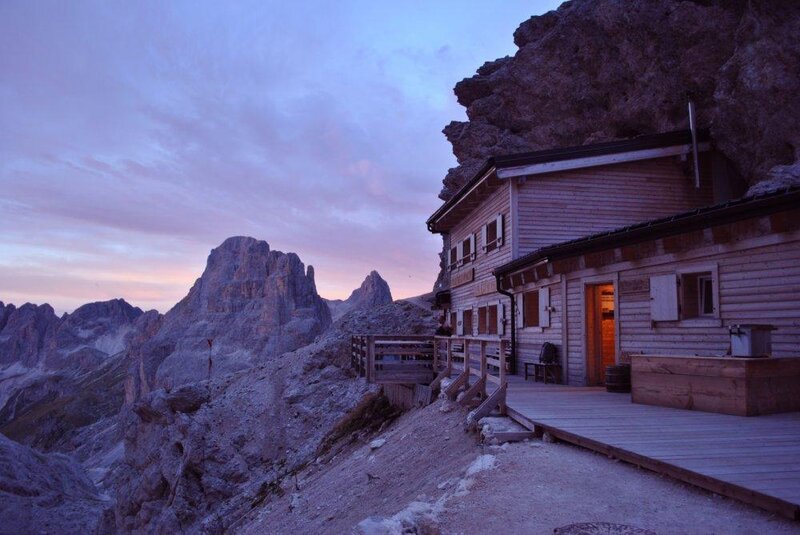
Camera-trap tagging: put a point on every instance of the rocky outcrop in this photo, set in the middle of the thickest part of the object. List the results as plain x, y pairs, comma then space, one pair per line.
780, 177
250, 305
197, 458
45, 493
373, 292
597, 70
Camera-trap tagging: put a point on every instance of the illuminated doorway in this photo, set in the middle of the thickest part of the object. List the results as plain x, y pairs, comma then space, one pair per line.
600, 332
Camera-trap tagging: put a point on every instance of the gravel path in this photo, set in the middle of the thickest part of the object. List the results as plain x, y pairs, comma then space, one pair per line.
429, 477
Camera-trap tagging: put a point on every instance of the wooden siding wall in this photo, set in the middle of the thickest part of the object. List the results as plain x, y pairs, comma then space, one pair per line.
558, 207
759, 282
530, 339
463, 297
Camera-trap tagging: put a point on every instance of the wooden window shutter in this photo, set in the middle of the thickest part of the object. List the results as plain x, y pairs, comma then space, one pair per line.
520, 311
460, 322
484, 242
500, 230
544, 306
501, 318
664, 298
459, 253
472, 250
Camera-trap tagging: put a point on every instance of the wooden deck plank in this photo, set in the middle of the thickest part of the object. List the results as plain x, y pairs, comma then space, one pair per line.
753, 459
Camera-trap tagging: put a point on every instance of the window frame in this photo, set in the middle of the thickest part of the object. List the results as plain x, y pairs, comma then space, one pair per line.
680, 273
525, 305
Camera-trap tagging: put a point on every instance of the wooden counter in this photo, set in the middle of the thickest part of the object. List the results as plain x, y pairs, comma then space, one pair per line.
738, 386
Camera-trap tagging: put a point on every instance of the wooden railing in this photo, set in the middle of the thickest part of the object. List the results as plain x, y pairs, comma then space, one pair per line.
402, 359
394, 359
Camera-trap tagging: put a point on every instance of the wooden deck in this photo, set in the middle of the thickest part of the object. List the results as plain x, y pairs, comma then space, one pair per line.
752, 459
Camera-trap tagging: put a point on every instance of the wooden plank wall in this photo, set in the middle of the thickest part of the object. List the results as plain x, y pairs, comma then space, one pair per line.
576, 353
558, 207
759, 282
463, 297
530, 339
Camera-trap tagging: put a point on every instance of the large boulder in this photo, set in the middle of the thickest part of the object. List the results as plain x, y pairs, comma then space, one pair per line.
597, 70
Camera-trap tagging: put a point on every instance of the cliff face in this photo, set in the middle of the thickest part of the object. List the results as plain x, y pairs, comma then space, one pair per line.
598, 70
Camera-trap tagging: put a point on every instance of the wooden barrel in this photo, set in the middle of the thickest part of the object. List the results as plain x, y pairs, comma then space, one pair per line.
618, 378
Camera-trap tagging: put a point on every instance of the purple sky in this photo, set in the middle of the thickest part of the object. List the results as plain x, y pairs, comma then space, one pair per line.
136, 136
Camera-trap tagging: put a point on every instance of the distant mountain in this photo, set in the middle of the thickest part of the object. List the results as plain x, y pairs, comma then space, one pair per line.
250, 304
373, 292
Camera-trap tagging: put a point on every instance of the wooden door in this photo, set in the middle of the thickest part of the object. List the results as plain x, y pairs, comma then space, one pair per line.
600, 332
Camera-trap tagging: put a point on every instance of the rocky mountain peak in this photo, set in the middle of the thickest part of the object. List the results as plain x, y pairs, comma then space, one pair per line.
253, 303
373, 292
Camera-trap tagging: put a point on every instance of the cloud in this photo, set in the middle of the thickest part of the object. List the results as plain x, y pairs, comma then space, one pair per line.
138, 135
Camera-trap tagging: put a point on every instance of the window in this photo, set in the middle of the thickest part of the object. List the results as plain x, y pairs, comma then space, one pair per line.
453, 320
491, 320
467, 319
468, 249
482, 316
530, 312
533, 308
453, 258
491, 237
686, 295
493, 234
697, 295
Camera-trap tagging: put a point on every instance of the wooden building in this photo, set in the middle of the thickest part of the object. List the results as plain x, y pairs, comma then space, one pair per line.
669, 286
520, 204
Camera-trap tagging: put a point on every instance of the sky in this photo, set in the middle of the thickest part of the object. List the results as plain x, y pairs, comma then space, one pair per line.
137, 136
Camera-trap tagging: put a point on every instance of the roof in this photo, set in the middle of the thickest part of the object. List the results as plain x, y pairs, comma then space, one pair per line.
653, 141
700, 218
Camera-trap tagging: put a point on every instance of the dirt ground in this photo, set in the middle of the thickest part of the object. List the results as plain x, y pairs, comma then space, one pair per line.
430, 477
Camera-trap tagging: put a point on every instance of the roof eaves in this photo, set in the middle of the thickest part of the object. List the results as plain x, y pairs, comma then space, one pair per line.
702, 217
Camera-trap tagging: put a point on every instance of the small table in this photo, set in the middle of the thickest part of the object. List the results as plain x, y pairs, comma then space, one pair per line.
545, 371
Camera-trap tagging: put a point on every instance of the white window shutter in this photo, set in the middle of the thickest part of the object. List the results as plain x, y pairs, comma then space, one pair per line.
460, 322
501, 318
473, 253
664, 298
500, 230
520, 312
474, 330
459, 252
544, 306
483, 239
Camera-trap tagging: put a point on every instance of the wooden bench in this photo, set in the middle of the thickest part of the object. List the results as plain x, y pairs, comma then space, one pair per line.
544, 371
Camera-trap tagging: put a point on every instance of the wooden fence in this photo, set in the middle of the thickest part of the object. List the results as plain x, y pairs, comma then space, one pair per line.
393, 359
428, 360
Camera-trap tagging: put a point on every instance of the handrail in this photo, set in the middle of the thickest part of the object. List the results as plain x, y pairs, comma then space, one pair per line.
382, 358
